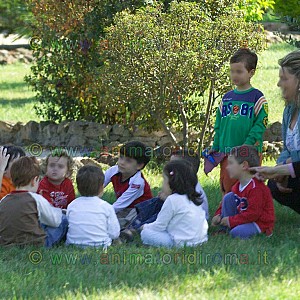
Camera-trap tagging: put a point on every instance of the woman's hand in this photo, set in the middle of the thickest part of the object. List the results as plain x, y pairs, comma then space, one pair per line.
278, 172
282, 183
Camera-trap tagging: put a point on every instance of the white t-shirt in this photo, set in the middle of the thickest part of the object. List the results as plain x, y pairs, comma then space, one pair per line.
92, 222
182, 219
293, 139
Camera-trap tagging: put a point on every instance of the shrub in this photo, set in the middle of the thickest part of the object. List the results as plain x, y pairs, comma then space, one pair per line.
169, 68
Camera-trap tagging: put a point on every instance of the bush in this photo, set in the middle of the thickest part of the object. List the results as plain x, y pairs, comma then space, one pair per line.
169, 68
66, 46
289, 11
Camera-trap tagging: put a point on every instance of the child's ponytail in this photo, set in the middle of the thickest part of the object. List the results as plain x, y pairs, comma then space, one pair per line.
183, 180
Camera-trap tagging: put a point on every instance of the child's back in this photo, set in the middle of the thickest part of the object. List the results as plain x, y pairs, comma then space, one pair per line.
183, 220
92, 221
20, 216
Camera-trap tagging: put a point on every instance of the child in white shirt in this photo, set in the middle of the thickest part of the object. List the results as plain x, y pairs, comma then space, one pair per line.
181, 220
92, 221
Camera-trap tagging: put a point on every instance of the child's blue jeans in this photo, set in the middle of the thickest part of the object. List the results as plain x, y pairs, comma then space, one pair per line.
229, 208
147, 212
55, 234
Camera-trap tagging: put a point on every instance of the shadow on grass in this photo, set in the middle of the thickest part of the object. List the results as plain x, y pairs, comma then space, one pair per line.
13, 85
16, 102
35, 272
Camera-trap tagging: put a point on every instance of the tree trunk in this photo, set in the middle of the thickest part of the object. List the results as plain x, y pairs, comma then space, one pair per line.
207, 115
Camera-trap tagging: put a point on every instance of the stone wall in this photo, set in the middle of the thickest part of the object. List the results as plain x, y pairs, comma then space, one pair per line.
92, 135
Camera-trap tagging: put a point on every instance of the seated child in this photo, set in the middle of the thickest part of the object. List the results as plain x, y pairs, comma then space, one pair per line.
56, 186
147, 211
128, 181
23, 210
181, 220
7, 156
248, 209
92, 221
193, 158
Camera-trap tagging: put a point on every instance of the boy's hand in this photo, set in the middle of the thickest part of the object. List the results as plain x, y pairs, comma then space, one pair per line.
161, 195
3, 159
211, 151
225, 222
216, 220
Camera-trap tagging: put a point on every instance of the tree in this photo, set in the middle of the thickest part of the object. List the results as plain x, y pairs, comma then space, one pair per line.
170, 67
66, 45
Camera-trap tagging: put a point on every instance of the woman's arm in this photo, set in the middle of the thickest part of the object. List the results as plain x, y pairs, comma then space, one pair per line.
273, 172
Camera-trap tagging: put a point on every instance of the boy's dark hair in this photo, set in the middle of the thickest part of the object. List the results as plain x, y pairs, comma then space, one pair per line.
246, 153
183, 180
13, 151
189, 155
248, 57
23, 170
137, 151
59, 153
89, 180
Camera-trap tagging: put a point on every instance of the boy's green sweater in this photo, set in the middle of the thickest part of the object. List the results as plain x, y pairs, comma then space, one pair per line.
242, 118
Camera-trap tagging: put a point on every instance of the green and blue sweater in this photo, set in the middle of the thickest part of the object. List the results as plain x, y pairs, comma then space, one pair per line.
242, 118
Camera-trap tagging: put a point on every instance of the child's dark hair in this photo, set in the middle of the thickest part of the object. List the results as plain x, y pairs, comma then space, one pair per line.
23, 170
246, 153
248, 57
89, 180
13, 151
183, 180
137, 151
189, 155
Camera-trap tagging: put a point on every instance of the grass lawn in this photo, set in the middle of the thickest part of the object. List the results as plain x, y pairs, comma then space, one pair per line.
223, 268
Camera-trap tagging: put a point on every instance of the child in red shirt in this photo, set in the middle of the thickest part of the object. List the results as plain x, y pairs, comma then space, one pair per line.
248, 209
56, 186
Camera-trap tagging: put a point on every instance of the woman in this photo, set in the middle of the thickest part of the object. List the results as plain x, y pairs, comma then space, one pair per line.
285, 189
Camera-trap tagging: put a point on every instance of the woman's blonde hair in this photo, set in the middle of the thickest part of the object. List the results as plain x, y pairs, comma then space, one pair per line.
291, 62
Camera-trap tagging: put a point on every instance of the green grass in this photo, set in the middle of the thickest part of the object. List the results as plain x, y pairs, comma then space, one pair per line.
260, 268
266, 268
266, 78
17, 99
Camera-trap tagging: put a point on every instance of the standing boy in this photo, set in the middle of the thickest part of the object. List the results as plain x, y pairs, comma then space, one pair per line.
242, 116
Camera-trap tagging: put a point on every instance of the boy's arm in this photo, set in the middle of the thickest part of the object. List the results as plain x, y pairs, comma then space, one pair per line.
48, 214
254, 209
260, 122
109, 173
216, 143
113, 225
133, 192
163, 218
